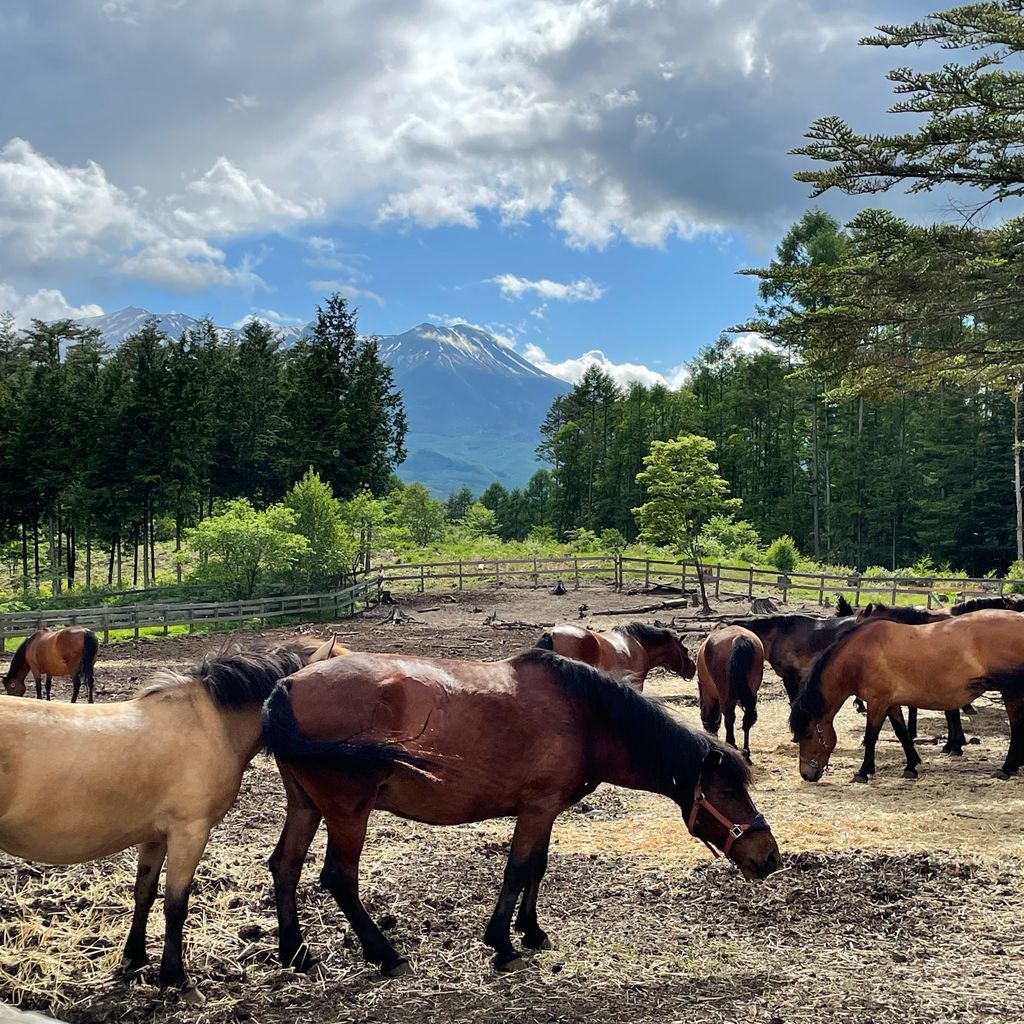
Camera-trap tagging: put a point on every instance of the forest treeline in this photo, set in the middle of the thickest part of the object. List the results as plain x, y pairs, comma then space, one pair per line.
854, 482
101, 449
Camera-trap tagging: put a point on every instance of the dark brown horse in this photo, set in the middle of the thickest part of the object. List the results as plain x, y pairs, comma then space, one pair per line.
70, 651
446, 742
939, 666
629, 652
730, 667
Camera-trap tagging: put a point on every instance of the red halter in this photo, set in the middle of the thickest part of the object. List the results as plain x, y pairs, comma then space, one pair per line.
734, 831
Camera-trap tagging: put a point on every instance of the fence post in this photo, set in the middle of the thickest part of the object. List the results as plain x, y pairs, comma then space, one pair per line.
647, 574
536, 574
750, 582
135, 620
821, 590
163, 615
106, 629
191, 624
576, 566
893, 601
422, 580
718, 581
856, 597
682, 579
460, 574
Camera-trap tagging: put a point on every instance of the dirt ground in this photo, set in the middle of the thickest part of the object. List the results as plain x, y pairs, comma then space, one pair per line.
899, 901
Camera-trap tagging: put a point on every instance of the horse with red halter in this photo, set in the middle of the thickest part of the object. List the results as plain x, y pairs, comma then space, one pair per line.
730, 668
70, 651
446, 742
629, 652
938, 666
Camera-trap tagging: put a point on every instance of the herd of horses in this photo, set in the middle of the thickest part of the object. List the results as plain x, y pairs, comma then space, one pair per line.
447, 742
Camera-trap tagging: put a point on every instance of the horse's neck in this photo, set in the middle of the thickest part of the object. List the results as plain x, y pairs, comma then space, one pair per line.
615, 765
244, 729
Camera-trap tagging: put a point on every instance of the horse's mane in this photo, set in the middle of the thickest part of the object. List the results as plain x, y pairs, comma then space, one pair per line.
1014, 602
843, 607
786, 621
20, 656
235, 676
645, 634
898, 613
673, 752
809, 704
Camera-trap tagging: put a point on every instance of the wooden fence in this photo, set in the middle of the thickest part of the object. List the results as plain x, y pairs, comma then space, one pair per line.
336, 603
719, 580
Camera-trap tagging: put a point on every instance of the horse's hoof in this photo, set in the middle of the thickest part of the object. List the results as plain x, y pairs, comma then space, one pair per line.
1004, 776
399, 969
507, 964
537, 942
191, 995
969, 709
974, 741
302, 962
909, 773
862, 779
746, 757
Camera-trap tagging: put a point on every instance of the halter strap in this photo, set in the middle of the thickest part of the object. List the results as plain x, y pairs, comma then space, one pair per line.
734, 830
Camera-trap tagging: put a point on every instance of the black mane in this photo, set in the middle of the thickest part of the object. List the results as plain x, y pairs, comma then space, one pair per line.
671, 751
897, 613
809, 704
645, 634
785, 621
237, 677
20, 657
1013, 602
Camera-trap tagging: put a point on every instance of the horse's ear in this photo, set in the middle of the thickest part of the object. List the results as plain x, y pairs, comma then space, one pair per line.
712, 762
323, 652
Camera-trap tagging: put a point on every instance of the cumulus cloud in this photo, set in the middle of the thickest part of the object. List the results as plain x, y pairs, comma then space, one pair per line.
572, 370
345, 289
44, 304
583, 290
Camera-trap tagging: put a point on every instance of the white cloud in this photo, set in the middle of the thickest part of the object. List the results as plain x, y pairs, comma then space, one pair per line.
572, 370
503, 334
272, 317
44, 304
242, 102
750, 343
583, 290
345, 289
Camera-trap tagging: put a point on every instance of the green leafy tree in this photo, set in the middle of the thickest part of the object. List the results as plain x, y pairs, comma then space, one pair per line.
318, 518
458, 503
479, 522
420, 514
683, 491
243, 546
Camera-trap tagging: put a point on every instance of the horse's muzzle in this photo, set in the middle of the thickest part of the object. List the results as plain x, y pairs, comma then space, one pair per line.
811, 772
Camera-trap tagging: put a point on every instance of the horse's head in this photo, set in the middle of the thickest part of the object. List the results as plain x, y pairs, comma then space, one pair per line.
866, 612
817, 739
14, 687
723, 817
685, 665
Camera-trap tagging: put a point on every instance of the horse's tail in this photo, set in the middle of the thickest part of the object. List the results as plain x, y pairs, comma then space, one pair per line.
741, 661
546, 641
283, 738
90, 649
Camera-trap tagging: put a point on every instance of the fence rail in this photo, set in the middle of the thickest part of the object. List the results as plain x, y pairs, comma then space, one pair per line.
722, 580
337, 603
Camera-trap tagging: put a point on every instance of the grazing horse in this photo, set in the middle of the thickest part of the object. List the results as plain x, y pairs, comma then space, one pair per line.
163, 768
70, 651
939, 666
629, 652
446, 742
730, 667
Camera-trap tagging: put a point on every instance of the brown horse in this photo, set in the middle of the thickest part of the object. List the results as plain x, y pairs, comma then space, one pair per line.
163, 768
446, 742
730, 667
70, 651
939, 666
629, 652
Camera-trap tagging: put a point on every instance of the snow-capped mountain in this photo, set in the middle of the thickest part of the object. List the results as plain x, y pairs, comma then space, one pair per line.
474, 405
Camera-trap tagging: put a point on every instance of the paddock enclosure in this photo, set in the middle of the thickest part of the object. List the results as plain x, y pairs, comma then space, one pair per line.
898, 901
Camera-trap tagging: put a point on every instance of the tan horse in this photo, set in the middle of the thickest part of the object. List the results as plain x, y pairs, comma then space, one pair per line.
629, 652
163, 768
730, 668
938, 666
70, 651
447, 742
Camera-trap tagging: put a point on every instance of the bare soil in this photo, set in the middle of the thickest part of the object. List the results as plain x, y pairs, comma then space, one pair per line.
899, 901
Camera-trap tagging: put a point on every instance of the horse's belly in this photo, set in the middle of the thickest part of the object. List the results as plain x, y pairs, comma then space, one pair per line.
53, 842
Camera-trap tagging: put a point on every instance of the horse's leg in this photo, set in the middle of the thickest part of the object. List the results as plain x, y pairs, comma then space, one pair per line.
531, 833
300, 825
876, 717
912, 723
184, 848
730, 722
955, 738
39, 689
340, 876
858, 705
710, 707
147, 876
534, 936
749, 720
76, 686
899, 726
1015, 754
791, 683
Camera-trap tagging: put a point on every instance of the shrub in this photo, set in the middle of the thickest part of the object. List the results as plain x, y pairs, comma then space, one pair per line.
1016, 572
783, 553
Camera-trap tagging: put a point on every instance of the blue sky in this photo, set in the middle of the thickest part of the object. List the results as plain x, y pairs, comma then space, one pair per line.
576, 175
